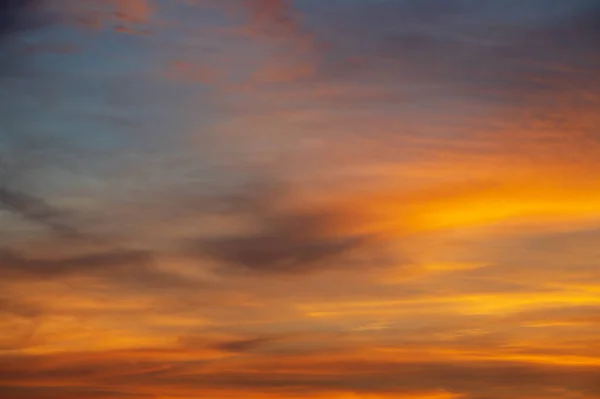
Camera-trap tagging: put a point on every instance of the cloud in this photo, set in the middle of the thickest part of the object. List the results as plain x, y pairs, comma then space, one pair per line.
451, 142
307, 376
575, 315
278, 233
275, 28
563, 259
192, 342
466, 49
127, 16
288, 243
119, 266
284, 238
244, 345
273, 18
19, 308
37, 210
134, 10
16, 16
15, 264
67, 393
188, 72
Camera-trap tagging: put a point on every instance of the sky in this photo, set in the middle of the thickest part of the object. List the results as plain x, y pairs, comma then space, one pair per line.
277, 199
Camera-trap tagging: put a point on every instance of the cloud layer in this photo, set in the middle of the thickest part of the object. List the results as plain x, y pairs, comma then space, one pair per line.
299, 199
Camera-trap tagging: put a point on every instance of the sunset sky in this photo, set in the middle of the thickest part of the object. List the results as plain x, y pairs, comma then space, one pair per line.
277, 199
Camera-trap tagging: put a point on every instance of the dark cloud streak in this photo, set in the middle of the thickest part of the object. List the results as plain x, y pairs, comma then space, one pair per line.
15, 264
118, 266
284, 240
37, 210
286, 243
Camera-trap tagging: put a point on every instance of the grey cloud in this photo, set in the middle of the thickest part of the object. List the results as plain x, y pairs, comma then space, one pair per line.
285, 241
15, 16
243, 345
15, 264
480, 47
290, 242
236, 345
37, 210
119, 266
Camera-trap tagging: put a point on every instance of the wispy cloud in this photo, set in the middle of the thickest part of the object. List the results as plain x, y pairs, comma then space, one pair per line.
36, 210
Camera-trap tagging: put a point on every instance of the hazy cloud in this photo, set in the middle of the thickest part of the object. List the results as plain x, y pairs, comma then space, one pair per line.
244, 345
432, 231
283, 239
37, 210
119, 266
476, 379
